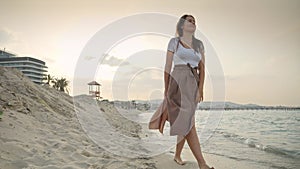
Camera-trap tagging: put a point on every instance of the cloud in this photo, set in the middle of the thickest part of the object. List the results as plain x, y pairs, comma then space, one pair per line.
7, 36
113, 61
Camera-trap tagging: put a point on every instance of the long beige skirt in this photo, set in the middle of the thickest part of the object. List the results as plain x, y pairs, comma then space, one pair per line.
181, 100
180, 104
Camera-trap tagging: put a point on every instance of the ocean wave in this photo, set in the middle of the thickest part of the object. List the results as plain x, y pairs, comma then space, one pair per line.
254, 143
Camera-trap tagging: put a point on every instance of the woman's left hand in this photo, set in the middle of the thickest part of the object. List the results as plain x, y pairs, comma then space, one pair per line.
199, 96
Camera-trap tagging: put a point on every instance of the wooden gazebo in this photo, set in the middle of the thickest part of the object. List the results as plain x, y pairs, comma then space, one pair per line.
94, 89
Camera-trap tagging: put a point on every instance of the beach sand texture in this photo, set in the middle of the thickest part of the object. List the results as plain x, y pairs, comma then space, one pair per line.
39, 129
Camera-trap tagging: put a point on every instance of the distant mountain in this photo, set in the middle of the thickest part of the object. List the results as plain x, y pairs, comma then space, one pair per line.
235, 106
227, 105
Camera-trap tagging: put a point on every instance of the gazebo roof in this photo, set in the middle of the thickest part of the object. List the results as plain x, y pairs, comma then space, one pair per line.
94, 83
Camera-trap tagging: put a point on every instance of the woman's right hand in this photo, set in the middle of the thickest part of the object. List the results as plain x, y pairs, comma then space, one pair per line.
168, 66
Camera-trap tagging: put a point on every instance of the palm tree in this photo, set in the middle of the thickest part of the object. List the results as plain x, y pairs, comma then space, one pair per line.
55, 82
60, 84
49, 79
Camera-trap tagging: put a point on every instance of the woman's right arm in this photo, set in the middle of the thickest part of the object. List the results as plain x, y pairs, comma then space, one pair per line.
168, 66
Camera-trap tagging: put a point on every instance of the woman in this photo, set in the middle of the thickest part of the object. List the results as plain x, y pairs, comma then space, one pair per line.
183, 89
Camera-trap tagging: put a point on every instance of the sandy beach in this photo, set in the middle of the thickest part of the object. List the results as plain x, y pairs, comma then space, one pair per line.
40, 129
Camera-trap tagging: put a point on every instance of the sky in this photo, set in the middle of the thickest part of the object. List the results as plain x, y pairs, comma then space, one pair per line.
257, 44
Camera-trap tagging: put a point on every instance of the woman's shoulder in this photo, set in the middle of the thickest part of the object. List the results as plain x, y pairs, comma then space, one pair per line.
174, 39
172, 44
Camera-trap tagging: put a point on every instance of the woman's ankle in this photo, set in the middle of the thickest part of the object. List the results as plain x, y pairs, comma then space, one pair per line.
202, 163
177, 157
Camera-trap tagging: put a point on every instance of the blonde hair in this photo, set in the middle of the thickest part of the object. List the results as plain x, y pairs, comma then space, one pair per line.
196, 43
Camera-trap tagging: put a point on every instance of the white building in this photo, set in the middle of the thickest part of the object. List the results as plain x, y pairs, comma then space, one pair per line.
33, 68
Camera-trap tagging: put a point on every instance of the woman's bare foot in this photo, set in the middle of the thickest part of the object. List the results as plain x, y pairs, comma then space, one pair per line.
205, 166
179, 161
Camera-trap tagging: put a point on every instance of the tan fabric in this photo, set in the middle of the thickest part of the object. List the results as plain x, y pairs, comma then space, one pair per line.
180, 104
159, 117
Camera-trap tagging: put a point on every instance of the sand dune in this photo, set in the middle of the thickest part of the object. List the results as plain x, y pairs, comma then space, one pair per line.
39, 129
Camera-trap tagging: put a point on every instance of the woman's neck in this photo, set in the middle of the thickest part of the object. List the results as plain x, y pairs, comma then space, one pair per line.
187, 38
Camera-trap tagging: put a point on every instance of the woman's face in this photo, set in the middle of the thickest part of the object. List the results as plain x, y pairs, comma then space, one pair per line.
189, 24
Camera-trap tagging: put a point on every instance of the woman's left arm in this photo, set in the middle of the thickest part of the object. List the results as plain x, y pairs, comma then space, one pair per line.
201, 67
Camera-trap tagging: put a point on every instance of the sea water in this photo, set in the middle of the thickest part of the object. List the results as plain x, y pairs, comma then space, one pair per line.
262, 138
266, 138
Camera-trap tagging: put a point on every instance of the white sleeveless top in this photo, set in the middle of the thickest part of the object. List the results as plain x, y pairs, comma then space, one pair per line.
183, 55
